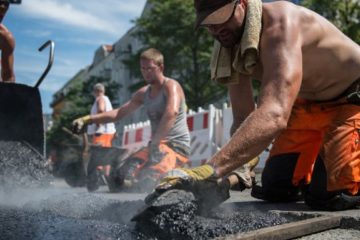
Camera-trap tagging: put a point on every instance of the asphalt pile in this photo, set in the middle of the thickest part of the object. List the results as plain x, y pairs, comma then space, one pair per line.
87, 206
21, 166
66, 215
21, 224
177, 216
82, 215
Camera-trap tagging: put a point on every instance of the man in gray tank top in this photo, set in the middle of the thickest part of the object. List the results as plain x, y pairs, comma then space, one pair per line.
164, 102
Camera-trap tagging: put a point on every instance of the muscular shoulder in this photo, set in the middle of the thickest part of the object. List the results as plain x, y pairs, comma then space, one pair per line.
7, 38
172, 84
278, 17
288, 21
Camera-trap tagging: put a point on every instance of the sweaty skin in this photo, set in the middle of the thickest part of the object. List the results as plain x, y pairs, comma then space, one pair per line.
7, 46
301, 55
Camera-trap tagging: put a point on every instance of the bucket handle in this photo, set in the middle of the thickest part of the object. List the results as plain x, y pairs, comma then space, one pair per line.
51, 60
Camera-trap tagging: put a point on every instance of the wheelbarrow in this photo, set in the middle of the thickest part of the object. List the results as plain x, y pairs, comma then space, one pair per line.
21, 117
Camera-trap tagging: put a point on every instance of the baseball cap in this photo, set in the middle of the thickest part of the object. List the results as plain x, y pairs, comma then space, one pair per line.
213, 11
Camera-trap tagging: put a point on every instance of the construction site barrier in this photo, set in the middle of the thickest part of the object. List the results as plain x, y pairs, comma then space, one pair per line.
223, 133
136, 136
209, 131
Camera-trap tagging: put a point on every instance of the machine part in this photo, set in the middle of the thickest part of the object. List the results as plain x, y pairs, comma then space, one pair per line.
21, 110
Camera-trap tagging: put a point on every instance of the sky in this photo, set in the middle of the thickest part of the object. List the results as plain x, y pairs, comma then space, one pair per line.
78, 28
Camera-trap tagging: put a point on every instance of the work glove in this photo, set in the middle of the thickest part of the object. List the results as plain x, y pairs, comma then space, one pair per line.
79, 124
155, 154
208, 189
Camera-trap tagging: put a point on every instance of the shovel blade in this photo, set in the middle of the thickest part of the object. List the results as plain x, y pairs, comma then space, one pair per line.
21, 115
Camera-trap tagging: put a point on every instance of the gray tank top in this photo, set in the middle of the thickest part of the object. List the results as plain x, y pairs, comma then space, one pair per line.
155, 107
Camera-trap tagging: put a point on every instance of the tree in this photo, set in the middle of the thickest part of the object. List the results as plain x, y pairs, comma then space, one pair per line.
169, 27
345, 14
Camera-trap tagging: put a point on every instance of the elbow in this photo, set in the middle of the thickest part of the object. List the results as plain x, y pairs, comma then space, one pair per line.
172, 113
279, 120
281, 124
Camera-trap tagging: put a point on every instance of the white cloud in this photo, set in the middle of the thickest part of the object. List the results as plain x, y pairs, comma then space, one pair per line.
62, 70
78, 27
104, 16
38, 33
86, 41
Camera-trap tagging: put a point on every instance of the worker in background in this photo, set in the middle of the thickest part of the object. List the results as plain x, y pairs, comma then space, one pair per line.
101, 136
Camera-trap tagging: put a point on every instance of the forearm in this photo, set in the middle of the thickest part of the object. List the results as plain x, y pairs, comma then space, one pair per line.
8, 77
250, 139
105, 117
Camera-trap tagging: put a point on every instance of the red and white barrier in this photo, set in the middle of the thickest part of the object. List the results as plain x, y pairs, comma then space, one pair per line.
224, 134
202, 127
209, 131
136, 136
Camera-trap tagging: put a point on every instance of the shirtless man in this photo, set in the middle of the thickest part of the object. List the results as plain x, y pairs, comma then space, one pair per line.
7, 46
309, 103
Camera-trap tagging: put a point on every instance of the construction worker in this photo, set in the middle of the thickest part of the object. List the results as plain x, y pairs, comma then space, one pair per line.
308, 102
7, 46
164, 102
101, 135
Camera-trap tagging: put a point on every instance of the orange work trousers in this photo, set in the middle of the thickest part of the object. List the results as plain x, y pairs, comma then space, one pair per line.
104, 140
330, 130
171, 159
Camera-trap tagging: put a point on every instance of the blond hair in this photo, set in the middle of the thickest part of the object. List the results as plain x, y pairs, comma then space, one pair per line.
99, 87
153, 54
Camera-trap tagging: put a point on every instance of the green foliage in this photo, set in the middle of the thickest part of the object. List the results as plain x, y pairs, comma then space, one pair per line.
78, 102
169, 27
345, 14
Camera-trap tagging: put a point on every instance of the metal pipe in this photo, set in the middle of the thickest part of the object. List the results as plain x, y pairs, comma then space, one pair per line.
51, 60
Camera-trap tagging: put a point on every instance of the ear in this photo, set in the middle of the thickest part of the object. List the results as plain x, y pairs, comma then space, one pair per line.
244, 3
161, 66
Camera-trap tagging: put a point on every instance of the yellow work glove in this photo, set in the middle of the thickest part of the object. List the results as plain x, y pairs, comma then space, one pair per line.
79, 124
180, 176
201, 181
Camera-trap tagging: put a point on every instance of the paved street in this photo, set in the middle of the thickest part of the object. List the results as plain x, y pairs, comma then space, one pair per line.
61, 212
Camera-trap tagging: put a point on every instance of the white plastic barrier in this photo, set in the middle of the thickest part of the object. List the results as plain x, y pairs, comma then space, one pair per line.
136, 136
201, 126
227, 120
202, 131
209, 131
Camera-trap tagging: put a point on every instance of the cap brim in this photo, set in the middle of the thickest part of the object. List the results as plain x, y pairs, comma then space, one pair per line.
217, 17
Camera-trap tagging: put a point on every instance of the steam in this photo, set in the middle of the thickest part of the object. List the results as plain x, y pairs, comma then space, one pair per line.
19, 197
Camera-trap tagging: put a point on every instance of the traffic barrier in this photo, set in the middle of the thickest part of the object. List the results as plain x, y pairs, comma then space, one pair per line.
209, 131
136, 136
201, 126
223, 135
